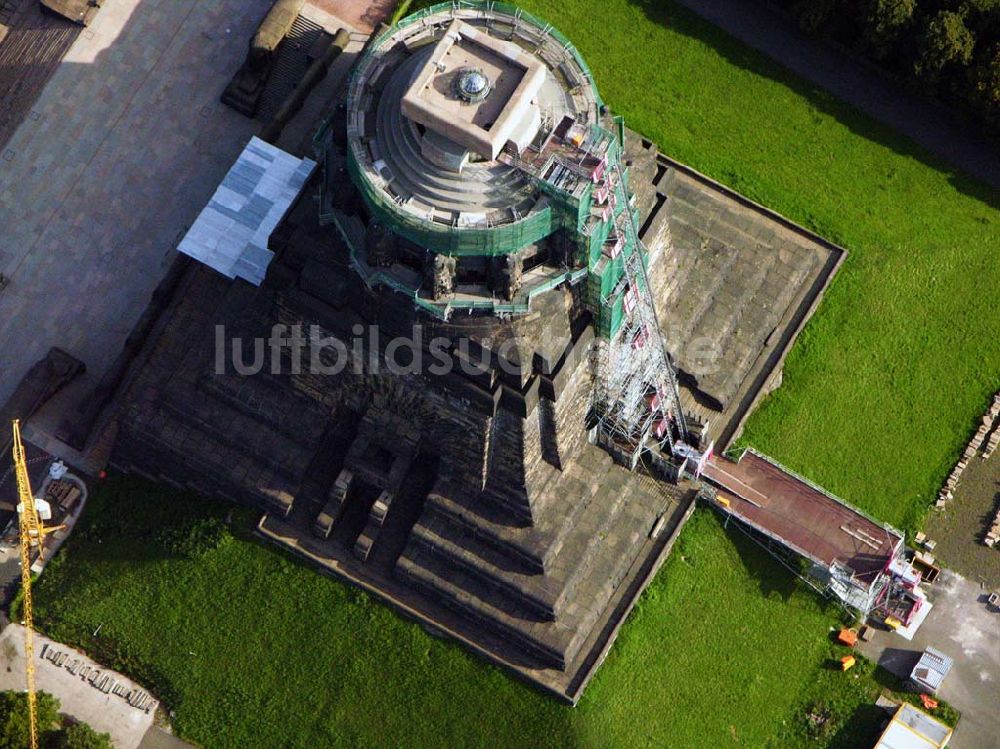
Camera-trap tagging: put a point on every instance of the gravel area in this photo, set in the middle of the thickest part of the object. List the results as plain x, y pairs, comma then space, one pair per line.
959, 529
964, 627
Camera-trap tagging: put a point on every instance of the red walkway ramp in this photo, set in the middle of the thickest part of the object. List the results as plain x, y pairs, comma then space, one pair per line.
801, 516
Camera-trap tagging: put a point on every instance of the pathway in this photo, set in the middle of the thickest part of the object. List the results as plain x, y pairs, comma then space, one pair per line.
124, 147
886, 101
107, 713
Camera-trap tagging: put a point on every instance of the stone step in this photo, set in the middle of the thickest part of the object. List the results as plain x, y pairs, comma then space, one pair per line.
546, 641
497, 188
520, 543
487, 565
289, 67
492, 180
585, 478
739, 302
30, 53
249, 438
443, 189
602, 524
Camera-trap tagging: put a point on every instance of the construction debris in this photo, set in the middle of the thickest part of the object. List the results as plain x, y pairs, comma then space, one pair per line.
988, 433
103, 681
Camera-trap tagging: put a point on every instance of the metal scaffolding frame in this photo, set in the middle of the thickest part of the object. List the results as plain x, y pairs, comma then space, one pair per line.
636, 394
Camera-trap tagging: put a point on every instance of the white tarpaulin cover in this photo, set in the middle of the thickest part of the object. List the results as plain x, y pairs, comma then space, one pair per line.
231, 233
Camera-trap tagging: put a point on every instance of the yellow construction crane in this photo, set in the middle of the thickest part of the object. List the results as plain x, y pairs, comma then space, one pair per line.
32, 533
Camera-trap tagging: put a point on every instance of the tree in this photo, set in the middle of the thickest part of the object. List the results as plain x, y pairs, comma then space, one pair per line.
985, 80
946, 41
14, 717
885, 20
81, 736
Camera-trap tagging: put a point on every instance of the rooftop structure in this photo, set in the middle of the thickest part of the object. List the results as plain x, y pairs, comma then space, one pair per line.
912, 728
477, 135
931, 670
231, 234
477, 91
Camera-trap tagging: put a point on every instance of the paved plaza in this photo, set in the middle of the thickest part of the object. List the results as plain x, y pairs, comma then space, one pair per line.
122, 149
963, 626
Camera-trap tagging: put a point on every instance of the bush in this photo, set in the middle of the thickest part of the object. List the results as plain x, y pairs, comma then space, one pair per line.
812, 15
946, 41
985, 83
200, 537
14, 717
947, 48
52, 735
80, 736
819, 721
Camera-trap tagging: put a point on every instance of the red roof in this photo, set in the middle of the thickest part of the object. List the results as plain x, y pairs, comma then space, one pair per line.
802, 516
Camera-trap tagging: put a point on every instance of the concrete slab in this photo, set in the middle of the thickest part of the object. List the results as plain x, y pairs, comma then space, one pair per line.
77, 697
964, 627
363, 15
157, 738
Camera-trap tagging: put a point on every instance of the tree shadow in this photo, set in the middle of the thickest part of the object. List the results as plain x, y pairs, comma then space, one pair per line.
981, 157
861, 729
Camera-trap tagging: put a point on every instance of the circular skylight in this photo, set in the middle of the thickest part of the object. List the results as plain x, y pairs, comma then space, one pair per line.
472, 85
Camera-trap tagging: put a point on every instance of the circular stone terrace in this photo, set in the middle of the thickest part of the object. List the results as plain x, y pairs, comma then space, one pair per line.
440, 107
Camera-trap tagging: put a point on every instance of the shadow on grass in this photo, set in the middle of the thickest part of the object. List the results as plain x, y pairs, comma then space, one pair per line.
861, 729
686, 22
773, 577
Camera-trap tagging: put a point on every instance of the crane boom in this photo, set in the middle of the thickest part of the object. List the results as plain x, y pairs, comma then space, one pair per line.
31, 531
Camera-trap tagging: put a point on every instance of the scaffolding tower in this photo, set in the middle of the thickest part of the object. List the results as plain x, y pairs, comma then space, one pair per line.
636, 395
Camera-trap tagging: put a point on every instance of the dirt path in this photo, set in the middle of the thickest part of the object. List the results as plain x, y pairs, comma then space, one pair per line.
884, 100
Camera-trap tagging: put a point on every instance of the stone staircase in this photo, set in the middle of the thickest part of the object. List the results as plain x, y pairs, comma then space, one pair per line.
290, 65
493, 573
32, 45
480, 188
722, 287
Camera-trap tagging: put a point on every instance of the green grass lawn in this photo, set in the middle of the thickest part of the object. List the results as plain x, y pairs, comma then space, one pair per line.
252, 649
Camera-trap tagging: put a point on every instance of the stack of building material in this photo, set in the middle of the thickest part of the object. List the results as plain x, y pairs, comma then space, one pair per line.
989, 424
993, 416
993, 534
64, 493
105, 682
